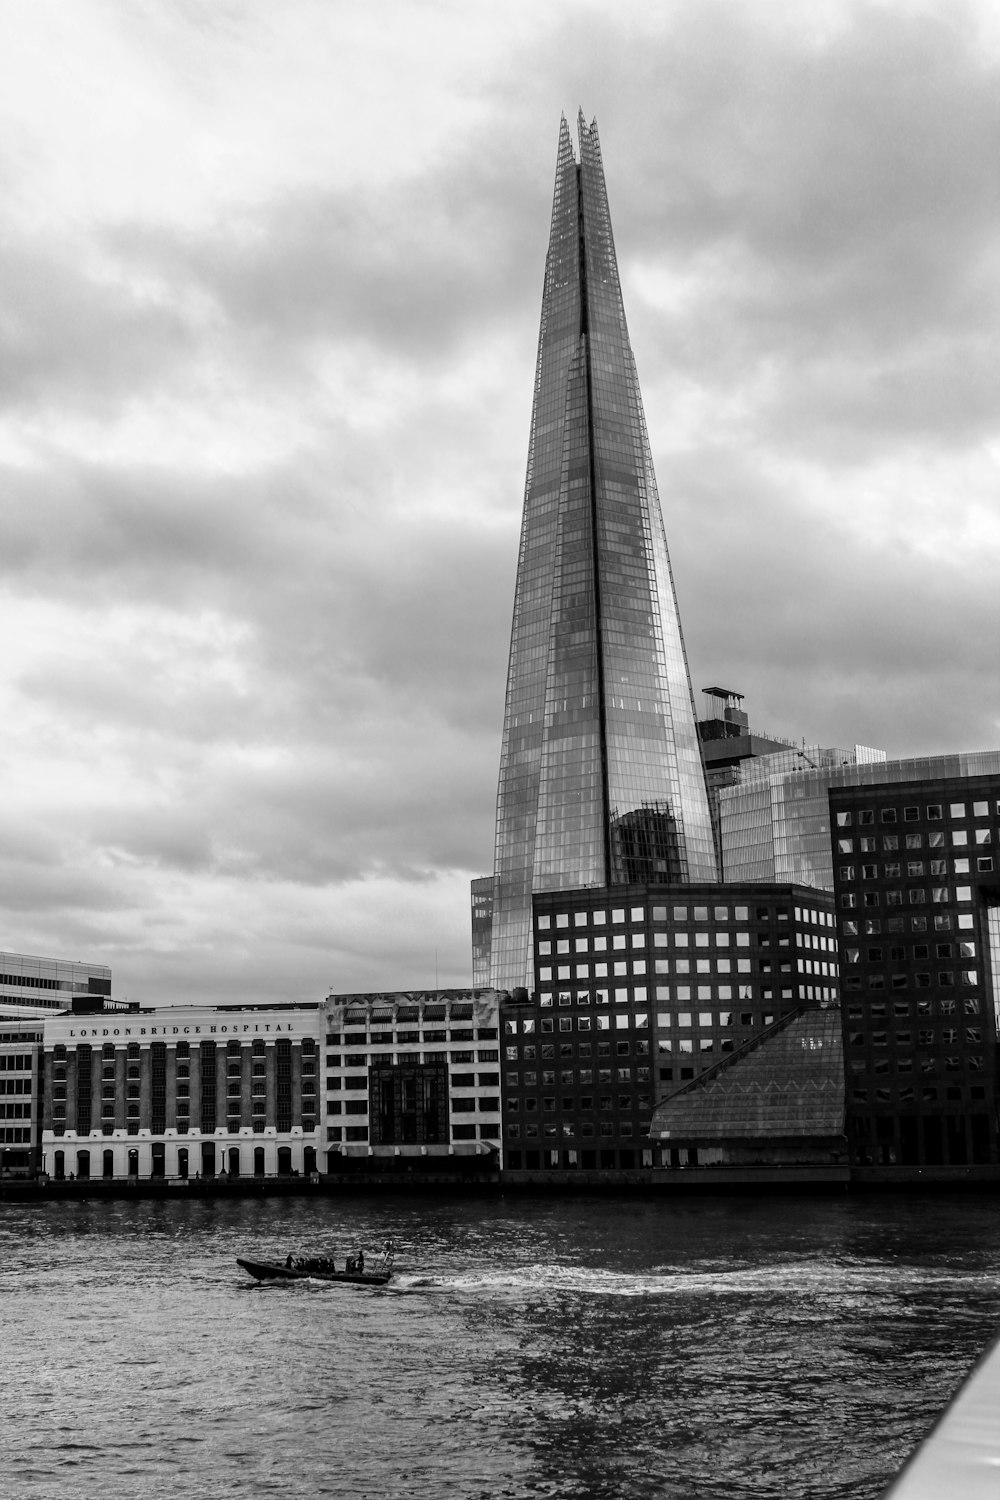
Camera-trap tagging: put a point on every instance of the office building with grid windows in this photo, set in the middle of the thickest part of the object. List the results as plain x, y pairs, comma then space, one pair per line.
20, 1097
917, 875
601, 779
638, 989
31, 986
31, 989
411, 1081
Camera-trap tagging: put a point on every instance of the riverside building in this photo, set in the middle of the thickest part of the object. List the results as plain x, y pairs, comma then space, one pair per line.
601, 779
638, 989
20, 1096
181, 1091
32, 988
411, 1079
917, 875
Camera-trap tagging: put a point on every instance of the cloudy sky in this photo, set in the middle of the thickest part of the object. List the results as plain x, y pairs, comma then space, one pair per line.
270, 288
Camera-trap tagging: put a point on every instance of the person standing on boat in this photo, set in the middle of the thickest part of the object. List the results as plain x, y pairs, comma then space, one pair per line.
361, 1262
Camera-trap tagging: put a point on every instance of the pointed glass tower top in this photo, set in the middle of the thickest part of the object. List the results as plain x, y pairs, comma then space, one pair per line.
601, 778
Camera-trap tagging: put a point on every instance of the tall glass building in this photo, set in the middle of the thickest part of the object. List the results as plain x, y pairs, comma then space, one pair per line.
601, 777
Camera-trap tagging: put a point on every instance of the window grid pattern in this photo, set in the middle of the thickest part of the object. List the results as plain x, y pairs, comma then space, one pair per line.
638, 989
394, 1059
916, 896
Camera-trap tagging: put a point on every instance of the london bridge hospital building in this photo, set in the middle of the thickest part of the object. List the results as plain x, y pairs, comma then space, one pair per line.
185, 1092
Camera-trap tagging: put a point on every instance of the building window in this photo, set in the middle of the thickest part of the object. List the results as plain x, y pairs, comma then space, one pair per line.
409, 1103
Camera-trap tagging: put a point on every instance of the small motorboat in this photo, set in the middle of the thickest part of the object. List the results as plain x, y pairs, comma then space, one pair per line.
322, 1268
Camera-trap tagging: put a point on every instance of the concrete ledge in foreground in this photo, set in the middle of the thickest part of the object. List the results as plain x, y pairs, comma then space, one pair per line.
961, 1455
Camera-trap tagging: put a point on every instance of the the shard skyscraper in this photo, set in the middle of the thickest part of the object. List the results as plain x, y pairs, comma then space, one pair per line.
601, 778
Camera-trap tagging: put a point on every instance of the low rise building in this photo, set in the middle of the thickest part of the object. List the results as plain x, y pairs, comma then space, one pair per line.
20, 1097
181, 1091
411, 1077
32, 989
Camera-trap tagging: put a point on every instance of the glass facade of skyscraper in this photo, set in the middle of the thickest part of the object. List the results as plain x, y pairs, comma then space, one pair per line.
601, 779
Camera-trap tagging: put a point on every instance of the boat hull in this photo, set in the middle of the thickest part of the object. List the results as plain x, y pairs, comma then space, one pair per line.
269, 1270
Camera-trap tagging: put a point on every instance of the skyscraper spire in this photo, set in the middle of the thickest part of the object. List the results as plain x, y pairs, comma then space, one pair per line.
601, 779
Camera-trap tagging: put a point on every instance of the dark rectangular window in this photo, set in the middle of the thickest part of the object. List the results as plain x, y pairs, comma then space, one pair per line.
158, 1089
207, 1088
283, 1084
409, 1103
84, 1090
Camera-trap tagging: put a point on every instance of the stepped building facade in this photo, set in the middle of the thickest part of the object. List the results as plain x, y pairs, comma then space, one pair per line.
601, 778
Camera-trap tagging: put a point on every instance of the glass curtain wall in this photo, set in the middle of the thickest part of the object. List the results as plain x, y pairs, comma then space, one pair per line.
601, 778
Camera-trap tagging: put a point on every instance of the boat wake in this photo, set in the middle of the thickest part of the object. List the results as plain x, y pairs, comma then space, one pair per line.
821, 1279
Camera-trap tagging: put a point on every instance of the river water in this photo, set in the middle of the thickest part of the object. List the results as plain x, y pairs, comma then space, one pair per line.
594, 1347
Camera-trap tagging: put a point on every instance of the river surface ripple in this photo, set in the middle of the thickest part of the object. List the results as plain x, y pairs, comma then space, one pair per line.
610, 1348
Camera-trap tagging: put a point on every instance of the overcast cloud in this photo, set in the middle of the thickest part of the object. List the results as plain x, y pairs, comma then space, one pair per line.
271, 280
